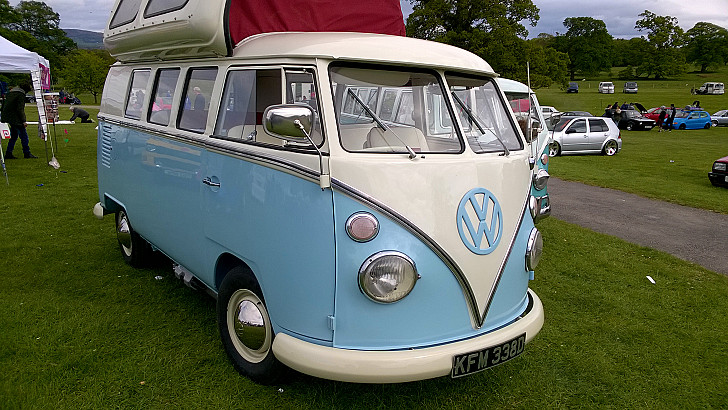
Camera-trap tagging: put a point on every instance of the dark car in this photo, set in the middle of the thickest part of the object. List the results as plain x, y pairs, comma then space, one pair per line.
567, 114
631, 118
573, 88
719, 175
30, 97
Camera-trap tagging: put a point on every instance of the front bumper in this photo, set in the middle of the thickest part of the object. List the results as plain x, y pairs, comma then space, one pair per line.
718, 179
401, 365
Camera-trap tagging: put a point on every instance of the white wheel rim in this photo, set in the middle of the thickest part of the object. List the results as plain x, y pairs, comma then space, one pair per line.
240, 317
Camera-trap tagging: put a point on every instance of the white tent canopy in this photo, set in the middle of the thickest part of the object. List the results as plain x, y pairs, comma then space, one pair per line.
16, 59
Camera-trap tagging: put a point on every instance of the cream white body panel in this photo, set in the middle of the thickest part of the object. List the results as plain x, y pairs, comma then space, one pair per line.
395, 366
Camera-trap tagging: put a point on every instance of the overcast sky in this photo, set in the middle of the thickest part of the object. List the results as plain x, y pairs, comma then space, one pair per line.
619, 15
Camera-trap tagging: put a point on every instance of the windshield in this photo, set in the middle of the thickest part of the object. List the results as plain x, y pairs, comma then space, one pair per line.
392, 111
485, 119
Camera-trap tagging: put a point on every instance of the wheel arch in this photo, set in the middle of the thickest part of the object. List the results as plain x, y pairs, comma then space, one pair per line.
225, 263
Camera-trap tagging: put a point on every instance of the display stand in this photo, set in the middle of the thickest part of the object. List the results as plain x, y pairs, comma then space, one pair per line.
50, 109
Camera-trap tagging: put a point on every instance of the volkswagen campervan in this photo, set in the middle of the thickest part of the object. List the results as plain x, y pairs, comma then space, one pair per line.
359, 204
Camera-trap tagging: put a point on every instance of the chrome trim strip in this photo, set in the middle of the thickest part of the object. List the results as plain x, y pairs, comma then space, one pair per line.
219, 146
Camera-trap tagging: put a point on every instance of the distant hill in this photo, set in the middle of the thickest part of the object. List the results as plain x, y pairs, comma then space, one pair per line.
85, 39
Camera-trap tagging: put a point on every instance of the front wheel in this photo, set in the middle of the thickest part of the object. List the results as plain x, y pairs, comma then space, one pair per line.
681, 127
610, 148
714, 123
134, 249
245, 327
630, 126
554, 149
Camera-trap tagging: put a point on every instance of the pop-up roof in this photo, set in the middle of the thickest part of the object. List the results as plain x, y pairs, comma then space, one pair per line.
169, 29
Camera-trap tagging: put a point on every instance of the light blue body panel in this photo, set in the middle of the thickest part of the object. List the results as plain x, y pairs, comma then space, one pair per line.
436, 311
292, 235
539, 165
279, 224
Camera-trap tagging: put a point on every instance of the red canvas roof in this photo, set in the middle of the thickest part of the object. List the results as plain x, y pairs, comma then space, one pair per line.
249, 17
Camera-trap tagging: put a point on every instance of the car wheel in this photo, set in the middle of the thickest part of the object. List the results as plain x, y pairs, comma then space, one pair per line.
681, 127
714, 123
134, 249
630, 126
245, 327
554, 149
610, 148
707, 126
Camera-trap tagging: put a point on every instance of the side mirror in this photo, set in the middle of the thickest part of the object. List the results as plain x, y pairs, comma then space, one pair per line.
282, 121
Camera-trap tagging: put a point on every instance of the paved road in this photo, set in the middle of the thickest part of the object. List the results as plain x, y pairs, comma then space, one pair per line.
691, 234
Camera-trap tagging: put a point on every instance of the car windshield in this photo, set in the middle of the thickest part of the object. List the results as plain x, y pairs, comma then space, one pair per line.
561, 124
393, 111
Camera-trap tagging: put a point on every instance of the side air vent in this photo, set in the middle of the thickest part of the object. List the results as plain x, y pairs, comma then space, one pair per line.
106, 134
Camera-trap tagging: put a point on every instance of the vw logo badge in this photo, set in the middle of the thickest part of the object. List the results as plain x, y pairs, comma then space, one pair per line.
480, 221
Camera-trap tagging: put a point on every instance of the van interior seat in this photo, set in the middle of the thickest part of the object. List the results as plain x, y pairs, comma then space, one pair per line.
397, 137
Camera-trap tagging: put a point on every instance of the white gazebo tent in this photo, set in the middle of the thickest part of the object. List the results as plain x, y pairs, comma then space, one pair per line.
16, 59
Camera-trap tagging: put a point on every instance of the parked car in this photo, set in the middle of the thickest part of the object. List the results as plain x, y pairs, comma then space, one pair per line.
567, 114
30, 97
720, 118
632, 120
551, 115
654, 113
692, 120
712, 88
630, 87
606, 87
573, 87
585, 135
719, 174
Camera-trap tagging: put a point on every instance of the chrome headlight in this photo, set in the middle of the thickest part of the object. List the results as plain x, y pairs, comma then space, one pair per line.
387, 276
534, 249
719, 166
540, 179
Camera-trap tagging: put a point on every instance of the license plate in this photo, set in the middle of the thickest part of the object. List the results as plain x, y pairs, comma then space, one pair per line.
473, 362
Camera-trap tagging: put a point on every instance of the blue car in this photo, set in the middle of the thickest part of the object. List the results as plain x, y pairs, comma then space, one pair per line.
692, 120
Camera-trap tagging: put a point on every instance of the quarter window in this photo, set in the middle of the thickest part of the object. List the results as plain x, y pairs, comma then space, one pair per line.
135, 98
598, 125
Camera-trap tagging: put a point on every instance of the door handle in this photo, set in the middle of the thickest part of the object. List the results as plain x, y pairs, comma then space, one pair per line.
208, 181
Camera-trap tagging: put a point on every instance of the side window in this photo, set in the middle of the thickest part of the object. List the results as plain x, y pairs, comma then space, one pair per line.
579, 126
157, 7
247, 94
135, 97
126, 12
164, 87
196, 99
597, 125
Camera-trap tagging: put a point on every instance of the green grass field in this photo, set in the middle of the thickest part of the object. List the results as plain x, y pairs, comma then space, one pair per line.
80, 329
670, 166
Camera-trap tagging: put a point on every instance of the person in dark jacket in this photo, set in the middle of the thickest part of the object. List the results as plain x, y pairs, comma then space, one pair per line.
13, 113
671, 117
79, 112
661, 118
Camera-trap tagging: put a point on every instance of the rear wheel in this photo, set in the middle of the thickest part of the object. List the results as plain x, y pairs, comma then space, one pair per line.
707, 126
610, 148
134, 249
245, 327
554, 149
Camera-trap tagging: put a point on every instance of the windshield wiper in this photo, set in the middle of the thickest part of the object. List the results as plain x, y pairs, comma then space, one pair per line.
477, 123
381, 124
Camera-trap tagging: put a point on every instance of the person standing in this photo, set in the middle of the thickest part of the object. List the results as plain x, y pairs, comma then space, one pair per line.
199, 101
13, 113
671, 118
661, 118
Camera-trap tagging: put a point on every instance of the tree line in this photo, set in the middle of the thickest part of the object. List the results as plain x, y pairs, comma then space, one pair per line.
493, 30
34, 26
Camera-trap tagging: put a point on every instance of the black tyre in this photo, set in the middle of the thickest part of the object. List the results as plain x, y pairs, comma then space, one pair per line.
714, 123
135, 250
707, 126
245, 328
554, 149
681, 127
630, 126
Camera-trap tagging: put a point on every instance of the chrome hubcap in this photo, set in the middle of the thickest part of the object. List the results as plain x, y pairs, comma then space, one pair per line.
248, 325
